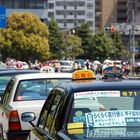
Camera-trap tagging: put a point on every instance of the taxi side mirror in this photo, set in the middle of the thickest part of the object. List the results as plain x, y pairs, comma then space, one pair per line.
28, 117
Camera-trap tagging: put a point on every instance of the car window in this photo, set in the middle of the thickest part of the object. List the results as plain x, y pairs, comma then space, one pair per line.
65, 63
106, 108
49, 110
37, 89
7, 91
44, 113
52, 111
32, 90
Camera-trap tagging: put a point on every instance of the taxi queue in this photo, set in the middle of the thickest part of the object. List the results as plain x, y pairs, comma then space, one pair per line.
90, 109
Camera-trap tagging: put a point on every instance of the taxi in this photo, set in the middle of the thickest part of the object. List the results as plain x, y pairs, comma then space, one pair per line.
7, 74
69, 113
25, 93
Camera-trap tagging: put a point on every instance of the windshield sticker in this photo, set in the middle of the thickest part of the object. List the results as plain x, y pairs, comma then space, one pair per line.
75, 125
19, 98
78, 113
76, 131
113, 118
90, 94
79, 119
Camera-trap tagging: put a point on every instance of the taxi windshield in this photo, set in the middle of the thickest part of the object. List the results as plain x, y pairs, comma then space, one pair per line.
105, 108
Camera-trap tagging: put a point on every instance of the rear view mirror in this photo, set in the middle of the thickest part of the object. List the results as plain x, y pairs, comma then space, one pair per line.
28, 117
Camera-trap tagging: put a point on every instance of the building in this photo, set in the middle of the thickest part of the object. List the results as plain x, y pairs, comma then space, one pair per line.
71, 13
97, 15
37, 7
133, 5
106, 13
125, 8
122, 11
68, 13
110, 12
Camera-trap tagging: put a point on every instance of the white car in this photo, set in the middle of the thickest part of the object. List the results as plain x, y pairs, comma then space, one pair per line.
25, 93
66, 65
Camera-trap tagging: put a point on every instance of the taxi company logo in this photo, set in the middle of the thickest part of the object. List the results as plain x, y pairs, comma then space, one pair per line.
112, 71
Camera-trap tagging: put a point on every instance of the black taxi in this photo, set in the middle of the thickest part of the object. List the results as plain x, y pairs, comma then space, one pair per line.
89, 110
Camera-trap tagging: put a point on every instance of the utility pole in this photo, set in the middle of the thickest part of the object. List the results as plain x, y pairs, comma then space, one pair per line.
113, 30
133, 44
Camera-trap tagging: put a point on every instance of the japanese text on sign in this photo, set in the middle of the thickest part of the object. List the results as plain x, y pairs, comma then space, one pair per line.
83, 74
112, 118
90, 94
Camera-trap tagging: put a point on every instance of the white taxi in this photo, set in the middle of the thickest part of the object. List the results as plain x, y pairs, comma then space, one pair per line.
25, 93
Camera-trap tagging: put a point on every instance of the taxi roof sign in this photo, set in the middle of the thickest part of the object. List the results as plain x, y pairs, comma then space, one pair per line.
83, 75
112, 71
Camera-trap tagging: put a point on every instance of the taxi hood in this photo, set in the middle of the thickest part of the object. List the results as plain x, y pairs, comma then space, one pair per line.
111, 133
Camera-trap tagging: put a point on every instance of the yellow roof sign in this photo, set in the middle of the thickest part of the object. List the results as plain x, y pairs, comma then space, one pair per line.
83, 75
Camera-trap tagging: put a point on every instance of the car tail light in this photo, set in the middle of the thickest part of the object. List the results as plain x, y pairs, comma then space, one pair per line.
101, 109
14, 122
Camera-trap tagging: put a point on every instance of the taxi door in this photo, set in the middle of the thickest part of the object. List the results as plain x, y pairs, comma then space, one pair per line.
46, 123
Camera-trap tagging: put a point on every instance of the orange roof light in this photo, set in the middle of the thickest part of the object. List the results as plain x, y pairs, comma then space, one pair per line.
83, 75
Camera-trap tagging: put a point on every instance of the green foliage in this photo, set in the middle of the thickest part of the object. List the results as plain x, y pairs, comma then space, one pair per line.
118, 45
24, 37
101, 47
73, 46
98, 46
55, 40
84, 32
125, 53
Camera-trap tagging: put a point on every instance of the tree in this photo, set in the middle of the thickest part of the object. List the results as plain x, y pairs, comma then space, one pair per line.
73, 46
85, 33
24, 37
55, 40
118, 45
125, 54
101, 47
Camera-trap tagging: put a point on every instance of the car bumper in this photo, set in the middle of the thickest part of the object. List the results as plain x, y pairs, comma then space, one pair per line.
17, 135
